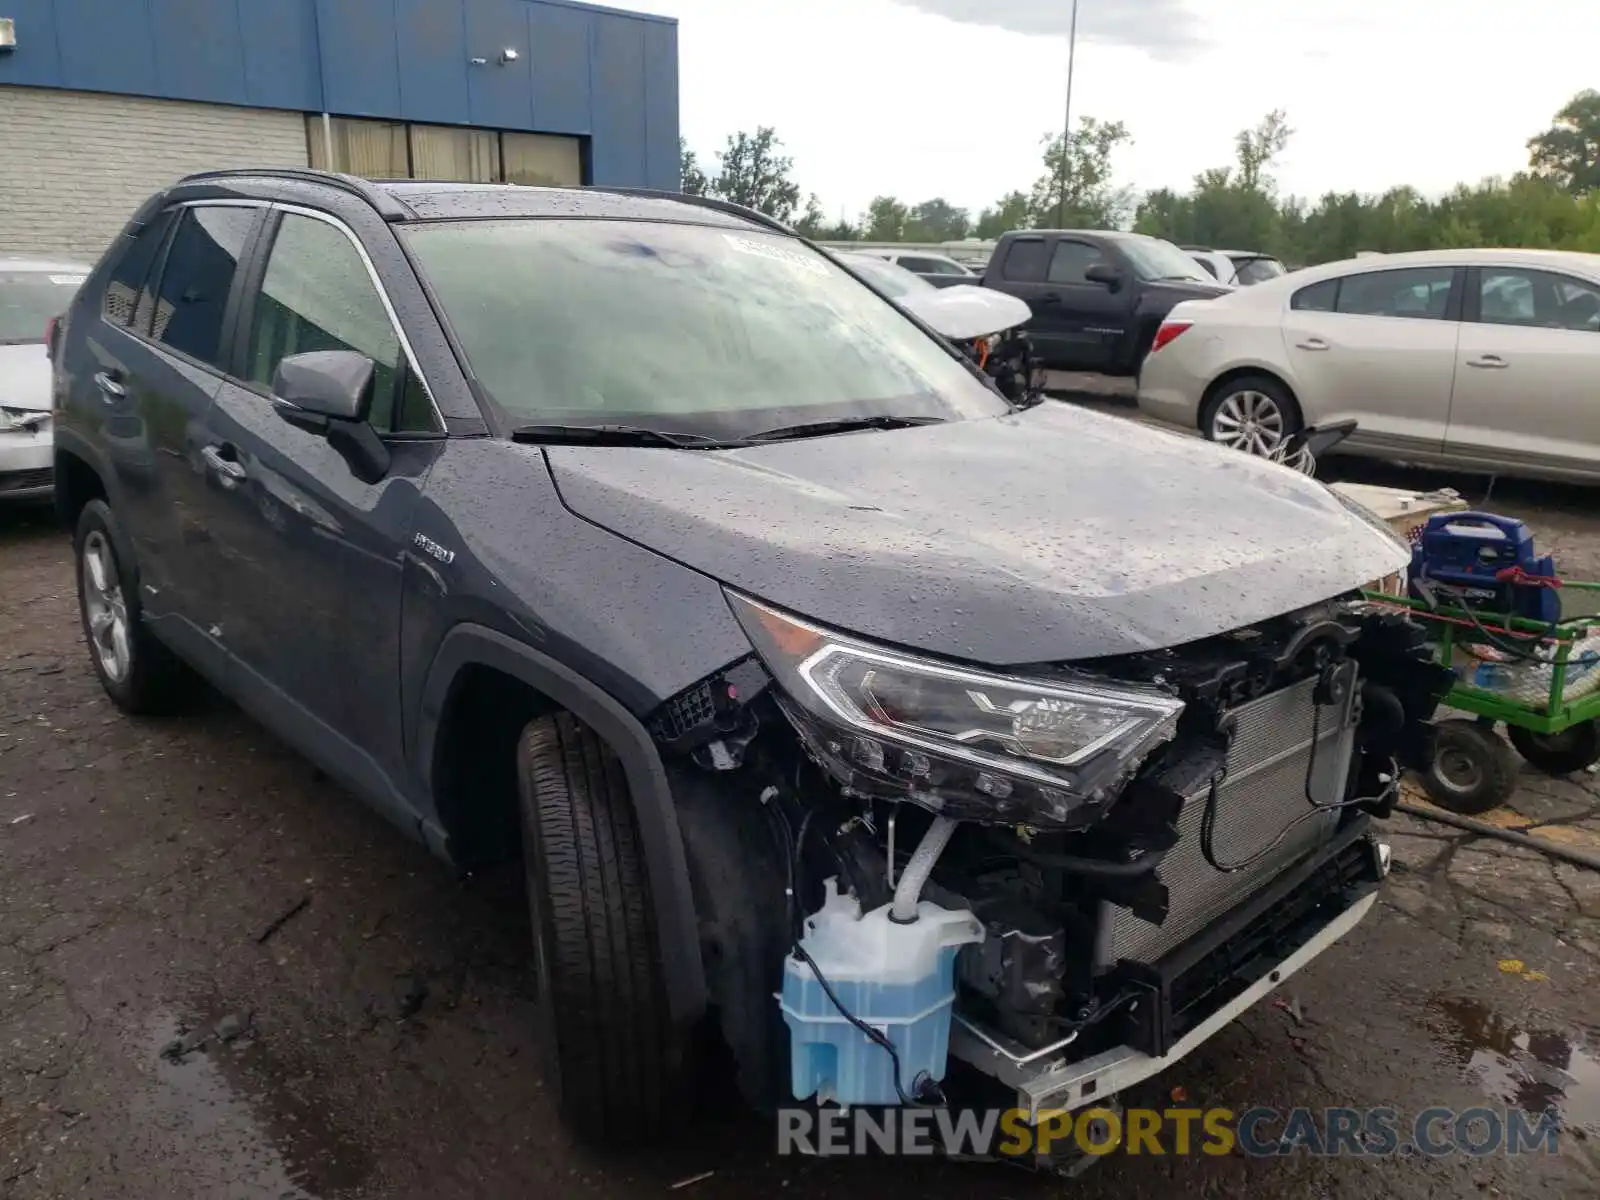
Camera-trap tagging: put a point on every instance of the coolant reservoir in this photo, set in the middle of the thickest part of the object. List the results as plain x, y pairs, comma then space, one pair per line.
899, 979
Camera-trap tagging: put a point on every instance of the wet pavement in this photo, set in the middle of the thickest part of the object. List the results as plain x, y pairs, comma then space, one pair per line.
222, 977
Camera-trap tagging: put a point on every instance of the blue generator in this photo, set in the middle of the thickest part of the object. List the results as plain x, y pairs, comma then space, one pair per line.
1484, 562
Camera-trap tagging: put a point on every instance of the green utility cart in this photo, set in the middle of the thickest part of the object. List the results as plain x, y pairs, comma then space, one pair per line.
1541, 680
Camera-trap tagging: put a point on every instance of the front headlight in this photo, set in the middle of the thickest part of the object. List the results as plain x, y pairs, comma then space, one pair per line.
964, 742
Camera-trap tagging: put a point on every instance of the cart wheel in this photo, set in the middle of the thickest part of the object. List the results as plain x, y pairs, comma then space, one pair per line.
1473, 769
1573, 749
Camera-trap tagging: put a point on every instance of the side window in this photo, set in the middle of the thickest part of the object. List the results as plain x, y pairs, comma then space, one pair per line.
1207, 266
1318, 297
1421, 293
120, 304
317, 295
1538, 299
1071, 262
1025, 261
198, 275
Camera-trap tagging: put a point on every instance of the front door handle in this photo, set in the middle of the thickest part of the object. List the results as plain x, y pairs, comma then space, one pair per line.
111, 389
229, 472
1489, 362
1313, 343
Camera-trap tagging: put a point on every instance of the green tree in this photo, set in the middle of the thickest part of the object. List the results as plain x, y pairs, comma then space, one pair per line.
1008, 213
694, 180
1257, 148
842, 230
1569, 151
813, 220
1229, 207
937, 221
1077, 188
752, 172
885, 220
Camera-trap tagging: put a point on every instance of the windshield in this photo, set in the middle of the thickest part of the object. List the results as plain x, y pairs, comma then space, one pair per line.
685, 328
28, 299
893, 281
1153, 258
1258, 270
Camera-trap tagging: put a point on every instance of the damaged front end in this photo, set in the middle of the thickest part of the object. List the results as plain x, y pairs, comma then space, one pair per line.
1135, 849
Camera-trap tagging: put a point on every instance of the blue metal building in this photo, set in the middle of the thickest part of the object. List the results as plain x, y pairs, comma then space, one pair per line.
103, 101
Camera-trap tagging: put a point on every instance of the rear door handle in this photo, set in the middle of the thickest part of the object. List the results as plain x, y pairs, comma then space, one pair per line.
1489, 362
1313, 343
110, 388
229, 472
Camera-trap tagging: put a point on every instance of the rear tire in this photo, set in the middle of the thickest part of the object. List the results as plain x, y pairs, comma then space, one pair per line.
607, 1038
136, 670
1253, 413
1573, 749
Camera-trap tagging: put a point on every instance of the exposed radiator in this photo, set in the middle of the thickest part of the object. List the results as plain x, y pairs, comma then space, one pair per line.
1263, 793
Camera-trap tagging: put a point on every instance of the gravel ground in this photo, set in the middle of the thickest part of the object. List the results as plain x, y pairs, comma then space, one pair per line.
222, 977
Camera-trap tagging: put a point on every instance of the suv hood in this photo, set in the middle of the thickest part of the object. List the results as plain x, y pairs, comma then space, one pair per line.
1042, 536
25, 376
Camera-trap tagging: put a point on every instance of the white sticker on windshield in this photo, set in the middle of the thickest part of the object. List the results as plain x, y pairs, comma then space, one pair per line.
68, 280
776, 253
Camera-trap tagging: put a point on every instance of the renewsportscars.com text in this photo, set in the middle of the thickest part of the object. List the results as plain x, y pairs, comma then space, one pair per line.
1256, 1132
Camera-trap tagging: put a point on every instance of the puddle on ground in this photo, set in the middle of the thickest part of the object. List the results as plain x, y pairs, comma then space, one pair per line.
1525, 1068
234, 1142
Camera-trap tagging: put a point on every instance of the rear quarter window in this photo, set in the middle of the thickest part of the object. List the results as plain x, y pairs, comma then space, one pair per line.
1318, 297
120, 302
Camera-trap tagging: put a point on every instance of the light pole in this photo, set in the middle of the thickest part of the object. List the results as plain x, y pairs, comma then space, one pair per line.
1066, 132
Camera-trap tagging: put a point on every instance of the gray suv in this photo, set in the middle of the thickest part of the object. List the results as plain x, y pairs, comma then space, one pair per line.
629, 533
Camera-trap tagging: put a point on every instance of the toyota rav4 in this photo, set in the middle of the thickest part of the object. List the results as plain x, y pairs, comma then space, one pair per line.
629, 532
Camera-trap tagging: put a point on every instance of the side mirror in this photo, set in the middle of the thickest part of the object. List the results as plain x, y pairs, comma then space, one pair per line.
1104, 273
323, 385
329, 392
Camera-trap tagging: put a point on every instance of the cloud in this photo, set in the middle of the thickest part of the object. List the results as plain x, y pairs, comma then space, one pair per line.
1163, 28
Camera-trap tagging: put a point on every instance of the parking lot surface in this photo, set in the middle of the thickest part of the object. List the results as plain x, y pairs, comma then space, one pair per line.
222, 977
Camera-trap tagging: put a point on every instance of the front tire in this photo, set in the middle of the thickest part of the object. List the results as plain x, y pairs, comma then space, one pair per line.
1253, 413
136, 670
1473, 769
608, 1040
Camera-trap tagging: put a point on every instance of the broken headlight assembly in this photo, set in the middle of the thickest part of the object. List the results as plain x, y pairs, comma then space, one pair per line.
960, 741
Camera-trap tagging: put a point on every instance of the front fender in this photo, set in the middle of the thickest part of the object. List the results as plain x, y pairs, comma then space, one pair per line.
671, 898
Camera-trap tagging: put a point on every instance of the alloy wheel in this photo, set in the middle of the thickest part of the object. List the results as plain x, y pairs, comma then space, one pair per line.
104, 608
1250, 421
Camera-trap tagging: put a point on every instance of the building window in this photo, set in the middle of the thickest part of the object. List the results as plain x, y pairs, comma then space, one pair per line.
374, 149
391, 150
467, 155
538, 158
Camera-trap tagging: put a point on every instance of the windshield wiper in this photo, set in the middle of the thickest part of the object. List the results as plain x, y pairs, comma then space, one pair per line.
615, 435
840, 425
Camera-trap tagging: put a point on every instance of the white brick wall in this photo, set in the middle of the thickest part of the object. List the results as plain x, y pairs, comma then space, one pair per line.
75, 165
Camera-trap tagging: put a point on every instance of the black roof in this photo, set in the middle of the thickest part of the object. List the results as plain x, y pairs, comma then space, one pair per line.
403, 200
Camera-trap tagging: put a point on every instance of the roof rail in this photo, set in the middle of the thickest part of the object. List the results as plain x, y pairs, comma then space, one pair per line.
722, 206
389, 206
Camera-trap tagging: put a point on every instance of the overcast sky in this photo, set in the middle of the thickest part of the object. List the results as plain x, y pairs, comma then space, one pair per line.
949, 98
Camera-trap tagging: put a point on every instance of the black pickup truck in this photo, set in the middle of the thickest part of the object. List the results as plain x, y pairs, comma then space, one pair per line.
1097, 296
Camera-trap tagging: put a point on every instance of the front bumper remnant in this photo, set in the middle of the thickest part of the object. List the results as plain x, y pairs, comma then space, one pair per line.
1047, 1082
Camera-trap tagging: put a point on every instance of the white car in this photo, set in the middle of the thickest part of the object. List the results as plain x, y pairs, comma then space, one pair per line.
1475, 359
1237, 268
939, 269
33, 292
